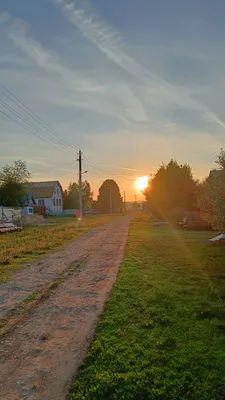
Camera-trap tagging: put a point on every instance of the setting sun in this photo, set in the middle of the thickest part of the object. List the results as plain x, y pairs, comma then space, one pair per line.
142, 182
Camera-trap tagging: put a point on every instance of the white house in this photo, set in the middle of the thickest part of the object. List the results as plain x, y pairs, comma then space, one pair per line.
48, 194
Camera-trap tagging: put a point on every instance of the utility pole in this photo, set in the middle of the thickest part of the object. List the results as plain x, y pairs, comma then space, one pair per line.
124, 202
110, 198
135, 201
80, 184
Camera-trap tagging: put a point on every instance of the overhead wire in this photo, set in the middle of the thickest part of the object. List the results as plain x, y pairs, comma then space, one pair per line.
54, 136
24, 107
57, 140
215, 152
27, 129
46, 139
53, 167
90, 166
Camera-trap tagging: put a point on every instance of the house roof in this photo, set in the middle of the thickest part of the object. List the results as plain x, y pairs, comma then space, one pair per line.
42, 189
215, 172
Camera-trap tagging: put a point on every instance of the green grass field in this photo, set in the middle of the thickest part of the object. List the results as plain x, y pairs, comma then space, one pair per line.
162, 335
16, 248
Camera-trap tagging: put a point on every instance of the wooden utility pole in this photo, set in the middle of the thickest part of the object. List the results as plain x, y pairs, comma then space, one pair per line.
110, 198
80, 184
124, 202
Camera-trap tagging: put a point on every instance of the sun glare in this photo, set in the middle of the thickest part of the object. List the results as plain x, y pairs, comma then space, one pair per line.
142, 182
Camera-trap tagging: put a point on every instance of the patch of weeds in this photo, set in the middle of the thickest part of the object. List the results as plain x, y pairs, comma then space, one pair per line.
30, 298
71, 268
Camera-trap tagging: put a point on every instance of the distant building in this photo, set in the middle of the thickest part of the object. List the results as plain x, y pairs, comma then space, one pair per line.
48, 194
215, 172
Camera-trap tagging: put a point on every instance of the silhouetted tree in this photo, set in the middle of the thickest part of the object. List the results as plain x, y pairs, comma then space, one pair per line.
71, 196
211, 198
109, 197
172, 191
13, 180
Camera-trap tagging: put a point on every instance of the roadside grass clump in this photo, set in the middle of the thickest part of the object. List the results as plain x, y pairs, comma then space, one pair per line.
17, 248
162, 334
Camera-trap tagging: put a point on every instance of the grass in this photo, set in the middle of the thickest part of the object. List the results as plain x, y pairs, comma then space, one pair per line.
33, 242
162, 335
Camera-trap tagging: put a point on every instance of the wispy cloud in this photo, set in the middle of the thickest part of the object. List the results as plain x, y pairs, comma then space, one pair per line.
111, 98
109, 42
18, 31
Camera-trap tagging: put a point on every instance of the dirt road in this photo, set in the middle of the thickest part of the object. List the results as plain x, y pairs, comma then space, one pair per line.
65, 295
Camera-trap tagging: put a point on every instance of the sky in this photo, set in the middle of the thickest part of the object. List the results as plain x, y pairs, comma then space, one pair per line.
133, 83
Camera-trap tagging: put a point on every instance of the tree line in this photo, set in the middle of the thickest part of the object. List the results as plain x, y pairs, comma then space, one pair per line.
109, 199
14, 184
172, 194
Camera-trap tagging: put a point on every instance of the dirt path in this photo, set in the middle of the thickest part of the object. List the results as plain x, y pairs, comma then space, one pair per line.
41, 354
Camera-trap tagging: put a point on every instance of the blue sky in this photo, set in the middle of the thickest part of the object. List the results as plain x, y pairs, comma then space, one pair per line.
132, 83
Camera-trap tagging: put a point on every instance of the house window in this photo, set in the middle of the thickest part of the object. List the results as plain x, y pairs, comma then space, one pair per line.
57, 203
53, 202
60, 202
41, 202
58, 191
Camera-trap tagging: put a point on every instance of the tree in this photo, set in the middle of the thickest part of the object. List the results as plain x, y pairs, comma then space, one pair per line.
211, 198
109, 198
172, 191
71, 196
13, 180
87, 195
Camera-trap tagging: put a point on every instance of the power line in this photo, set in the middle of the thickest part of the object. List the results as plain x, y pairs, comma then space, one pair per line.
93, 171
37, 119
34, 115
27, 129
53, 167
212, 154
48, 140
51, 141
41, 130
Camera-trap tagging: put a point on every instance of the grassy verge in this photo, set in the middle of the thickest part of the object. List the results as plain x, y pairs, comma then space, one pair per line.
33, 242
162, 335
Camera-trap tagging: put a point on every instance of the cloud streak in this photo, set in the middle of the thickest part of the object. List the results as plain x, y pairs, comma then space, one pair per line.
109, 42
111, 99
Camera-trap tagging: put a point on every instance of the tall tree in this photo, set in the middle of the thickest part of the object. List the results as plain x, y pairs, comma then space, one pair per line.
211, 198
71, 196
109, 198
172, 188
13, 180
87, 195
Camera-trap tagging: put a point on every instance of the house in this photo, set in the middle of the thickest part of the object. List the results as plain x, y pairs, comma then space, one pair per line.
215, 172
48, 194
27, 210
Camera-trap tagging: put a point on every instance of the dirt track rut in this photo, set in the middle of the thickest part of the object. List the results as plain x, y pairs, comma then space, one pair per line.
39, 358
